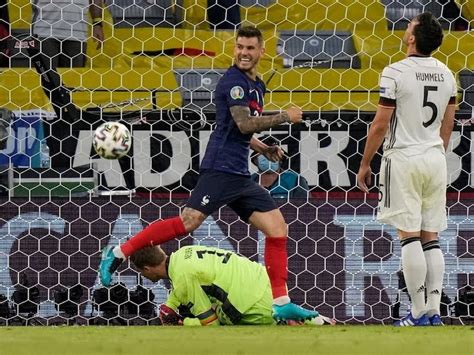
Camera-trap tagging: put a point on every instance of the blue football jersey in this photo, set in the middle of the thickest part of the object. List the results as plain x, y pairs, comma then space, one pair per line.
228, 148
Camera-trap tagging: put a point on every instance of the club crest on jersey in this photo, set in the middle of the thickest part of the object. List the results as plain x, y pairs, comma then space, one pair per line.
237, 92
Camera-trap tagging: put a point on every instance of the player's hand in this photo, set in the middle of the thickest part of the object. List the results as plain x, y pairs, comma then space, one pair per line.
274, 153
168, 316
295, 114
364, 178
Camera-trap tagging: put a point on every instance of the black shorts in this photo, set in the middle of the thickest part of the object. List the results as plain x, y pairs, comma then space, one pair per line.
216, 189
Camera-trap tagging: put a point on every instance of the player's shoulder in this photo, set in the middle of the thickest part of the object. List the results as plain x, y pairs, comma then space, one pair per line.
233, 80
443, 66
233, 74
398, 68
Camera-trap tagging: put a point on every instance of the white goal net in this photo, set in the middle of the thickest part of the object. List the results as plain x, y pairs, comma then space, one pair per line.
156, 71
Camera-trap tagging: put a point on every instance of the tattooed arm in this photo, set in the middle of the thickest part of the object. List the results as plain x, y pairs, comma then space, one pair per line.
251, 124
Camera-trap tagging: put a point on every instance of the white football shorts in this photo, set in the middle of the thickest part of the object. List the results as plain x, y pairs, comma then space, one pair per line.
412, 191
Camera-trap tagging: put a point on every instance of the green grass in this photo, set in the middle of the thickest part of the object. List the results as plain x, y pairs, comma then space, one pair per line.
382, 340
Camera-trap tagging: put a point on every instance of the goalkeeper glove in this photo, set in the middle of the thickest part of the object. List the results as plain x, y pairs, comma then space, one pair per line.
168, 316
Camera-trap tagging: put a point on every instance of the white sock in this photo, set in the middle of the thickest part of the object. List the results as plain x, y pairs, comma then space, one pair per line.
414, 271
119, 253
281, 301
434, 276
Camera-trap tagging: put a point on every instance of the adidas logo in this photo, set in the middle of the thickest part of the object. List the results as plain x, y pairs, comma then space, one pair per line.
421, 289
434, 292
205, 200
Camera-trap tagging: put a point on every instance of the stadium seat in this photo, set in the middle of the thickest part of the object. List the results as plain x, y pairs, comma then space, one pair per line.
467, 10
142, 13
322, 89
304, 15
400, 12
20, 13
197, 87
324, 49
168, 64
378, 49
20, 88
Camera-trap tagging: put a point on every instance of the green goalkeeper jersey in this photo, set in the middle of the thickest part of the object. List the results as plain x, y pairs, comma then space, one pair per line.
202, 276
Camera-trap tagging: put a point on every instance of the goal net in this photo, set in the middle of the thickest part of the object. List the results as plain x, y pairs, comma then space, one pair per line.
156, 71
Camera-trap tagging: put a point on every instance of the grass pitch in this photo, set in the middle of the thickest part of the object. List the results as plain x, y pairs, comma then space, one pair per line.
382, 340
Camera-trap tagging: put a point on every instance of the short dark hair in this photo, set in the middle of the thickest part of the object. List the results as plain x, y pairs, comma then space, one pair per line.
148, 256
250, 32
428, 33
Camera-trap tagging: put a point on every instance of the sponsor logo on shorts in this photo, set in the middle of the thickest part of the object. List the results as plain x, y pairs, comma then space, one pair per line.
205, 200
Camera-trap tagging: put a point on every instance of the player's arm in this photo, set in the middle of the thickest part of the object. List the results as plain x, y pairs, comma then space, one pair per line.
375, 138
169, 310
448, 123
251, 124
188, 291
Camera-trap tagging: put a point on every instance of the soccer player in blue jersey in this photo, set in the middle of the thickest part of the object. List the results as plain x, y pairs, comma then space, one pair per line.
218, 286
225, 179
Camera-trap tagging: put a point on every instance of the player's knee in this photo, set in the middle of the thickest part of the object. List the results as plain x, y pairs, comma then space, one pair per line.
278, 230
192, 219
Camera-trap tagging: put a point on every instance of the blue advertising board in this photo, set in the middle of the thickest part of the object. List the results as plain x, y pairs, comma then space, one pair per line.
24, 140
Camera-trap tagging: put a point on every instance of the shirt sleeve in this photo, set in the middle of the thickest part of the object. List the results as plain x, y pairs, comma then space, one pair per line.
236, 91
173, 302
388, 86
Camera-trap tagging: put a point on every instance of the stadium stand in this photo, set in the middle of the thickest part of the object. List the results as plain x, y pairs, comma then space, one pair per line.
197, 88
142, 13
467, 11
323, 49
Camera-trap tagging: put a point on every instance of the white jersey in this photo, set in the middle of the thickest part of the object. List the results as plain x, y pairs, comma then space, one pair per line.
420, 89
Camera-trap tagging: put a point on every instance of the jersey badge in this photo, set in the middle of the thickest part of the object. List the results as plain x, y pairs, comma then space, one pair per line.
237, 92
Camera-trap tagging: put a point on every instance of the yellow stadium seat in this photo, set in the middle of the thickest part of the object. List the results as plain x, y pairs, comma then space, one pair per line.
317, 15
322, 89
20, 13
467, 10
376, 50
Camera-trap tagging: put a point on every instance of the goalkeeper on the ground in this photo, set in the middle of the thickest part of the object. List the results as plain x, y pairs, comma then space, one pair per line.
218, 286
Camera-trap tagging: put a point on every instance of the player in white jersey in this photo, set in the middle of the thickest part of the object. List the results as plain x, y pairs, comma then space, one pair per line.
415, 117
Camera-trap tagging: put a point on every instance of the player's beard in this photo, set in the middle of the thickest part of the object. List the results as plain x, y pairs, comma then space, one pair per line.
247, 66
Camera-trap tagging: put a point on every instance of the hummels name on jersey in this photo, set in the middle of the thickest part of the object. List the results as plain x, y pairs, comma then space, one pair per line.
429, 76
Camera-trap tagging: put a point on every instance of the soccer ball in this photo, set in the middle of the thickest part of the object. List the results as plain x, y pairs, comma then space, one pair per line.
112, 140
